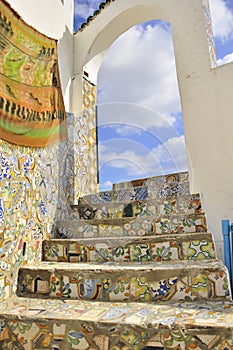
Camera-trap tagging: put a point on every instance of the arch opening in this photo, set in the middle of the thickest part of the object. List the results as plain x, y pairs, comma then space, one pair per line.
140, 125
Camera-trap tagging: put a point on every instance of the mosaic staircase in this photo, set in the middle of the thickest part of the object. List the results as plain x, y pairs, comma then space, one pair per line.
132, 268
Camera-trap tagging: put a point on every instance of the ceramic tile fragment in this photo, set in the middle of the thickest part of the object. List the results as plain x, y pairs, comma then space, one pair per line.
164, 251
120, 290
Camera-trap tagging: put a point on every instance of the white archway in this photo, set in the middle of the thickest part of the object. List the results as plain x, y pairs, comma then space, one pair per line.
205, 90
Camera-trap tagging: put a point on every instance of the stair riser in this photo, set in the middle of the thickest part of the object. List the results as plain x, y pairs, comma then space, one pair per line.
148, 250
140, 226
157, 192
115, 196
154, 182
182, 205
136, 285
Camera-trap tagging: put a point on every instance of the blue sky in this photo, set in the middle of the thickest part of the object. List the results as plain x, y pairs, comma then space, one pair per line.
139, 114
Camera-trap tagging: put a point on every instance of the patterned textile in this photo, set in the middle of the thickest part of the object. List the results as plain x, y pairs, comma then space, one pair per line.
31, 104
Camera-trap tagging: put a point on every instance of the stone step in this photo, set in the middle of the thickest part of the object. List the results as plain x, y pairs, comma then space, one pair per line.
189, 204
197, 246
138, 226
126, 281
155, 181
30, 324
115, 196
126, 195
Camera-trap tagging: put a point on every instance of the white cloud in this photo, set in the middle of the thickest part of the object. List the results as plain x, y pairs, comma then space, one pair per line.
84, 8
139, 68
129, 118
165, 158
106, 185
226, 59
222, 19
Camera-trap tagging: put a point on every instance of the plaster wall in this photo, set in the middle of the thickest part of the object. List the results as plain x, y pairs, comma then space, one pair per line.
204, 89
53, 18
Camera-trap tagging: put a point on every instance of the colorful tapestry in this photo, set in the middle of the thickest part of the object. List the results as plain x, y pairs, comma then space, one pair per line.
31, 104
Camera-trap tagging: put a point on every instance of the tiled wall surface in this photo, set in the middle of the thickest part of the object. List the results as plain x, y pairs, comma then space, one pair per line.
30, 182
209, 33
84, 144
36, 187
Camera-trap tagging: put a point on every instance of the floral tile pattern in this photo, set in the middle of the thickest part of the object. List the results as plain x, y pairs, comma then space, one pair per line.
180, 224
166, 251
198, 249
196, 246
87, 325
120, 290
186, 204
141, 282
115, 196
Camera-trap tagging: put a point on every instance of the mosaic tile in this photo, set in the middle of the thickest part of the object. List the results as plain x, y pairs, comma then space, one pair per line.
164, 289
70, 287
25, 331
115, 213
168, 207
139, 289
140, 252
120, 291
177, 340
31, 282
220, 284
201, 249
137, 228
59, 331
91, 289
201, 287
180, 224
110, 231
189, 204
225, 345
209, 33
121, 253
54, 253
102, 342
76, 253
77, 340
184, 290
102, 253
143, 209
120, 345
55, 286
114, 314
165, 251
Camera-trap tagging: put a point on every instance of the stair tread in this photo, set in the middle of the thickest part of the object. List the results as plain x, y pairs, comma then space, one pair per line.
124, 219
189, 315
152, 217
148, 266
128, 239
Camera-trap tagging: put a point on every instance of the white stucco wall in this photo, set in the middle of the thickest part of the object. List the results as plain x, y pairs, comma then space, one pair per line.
53, 18
206, 92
